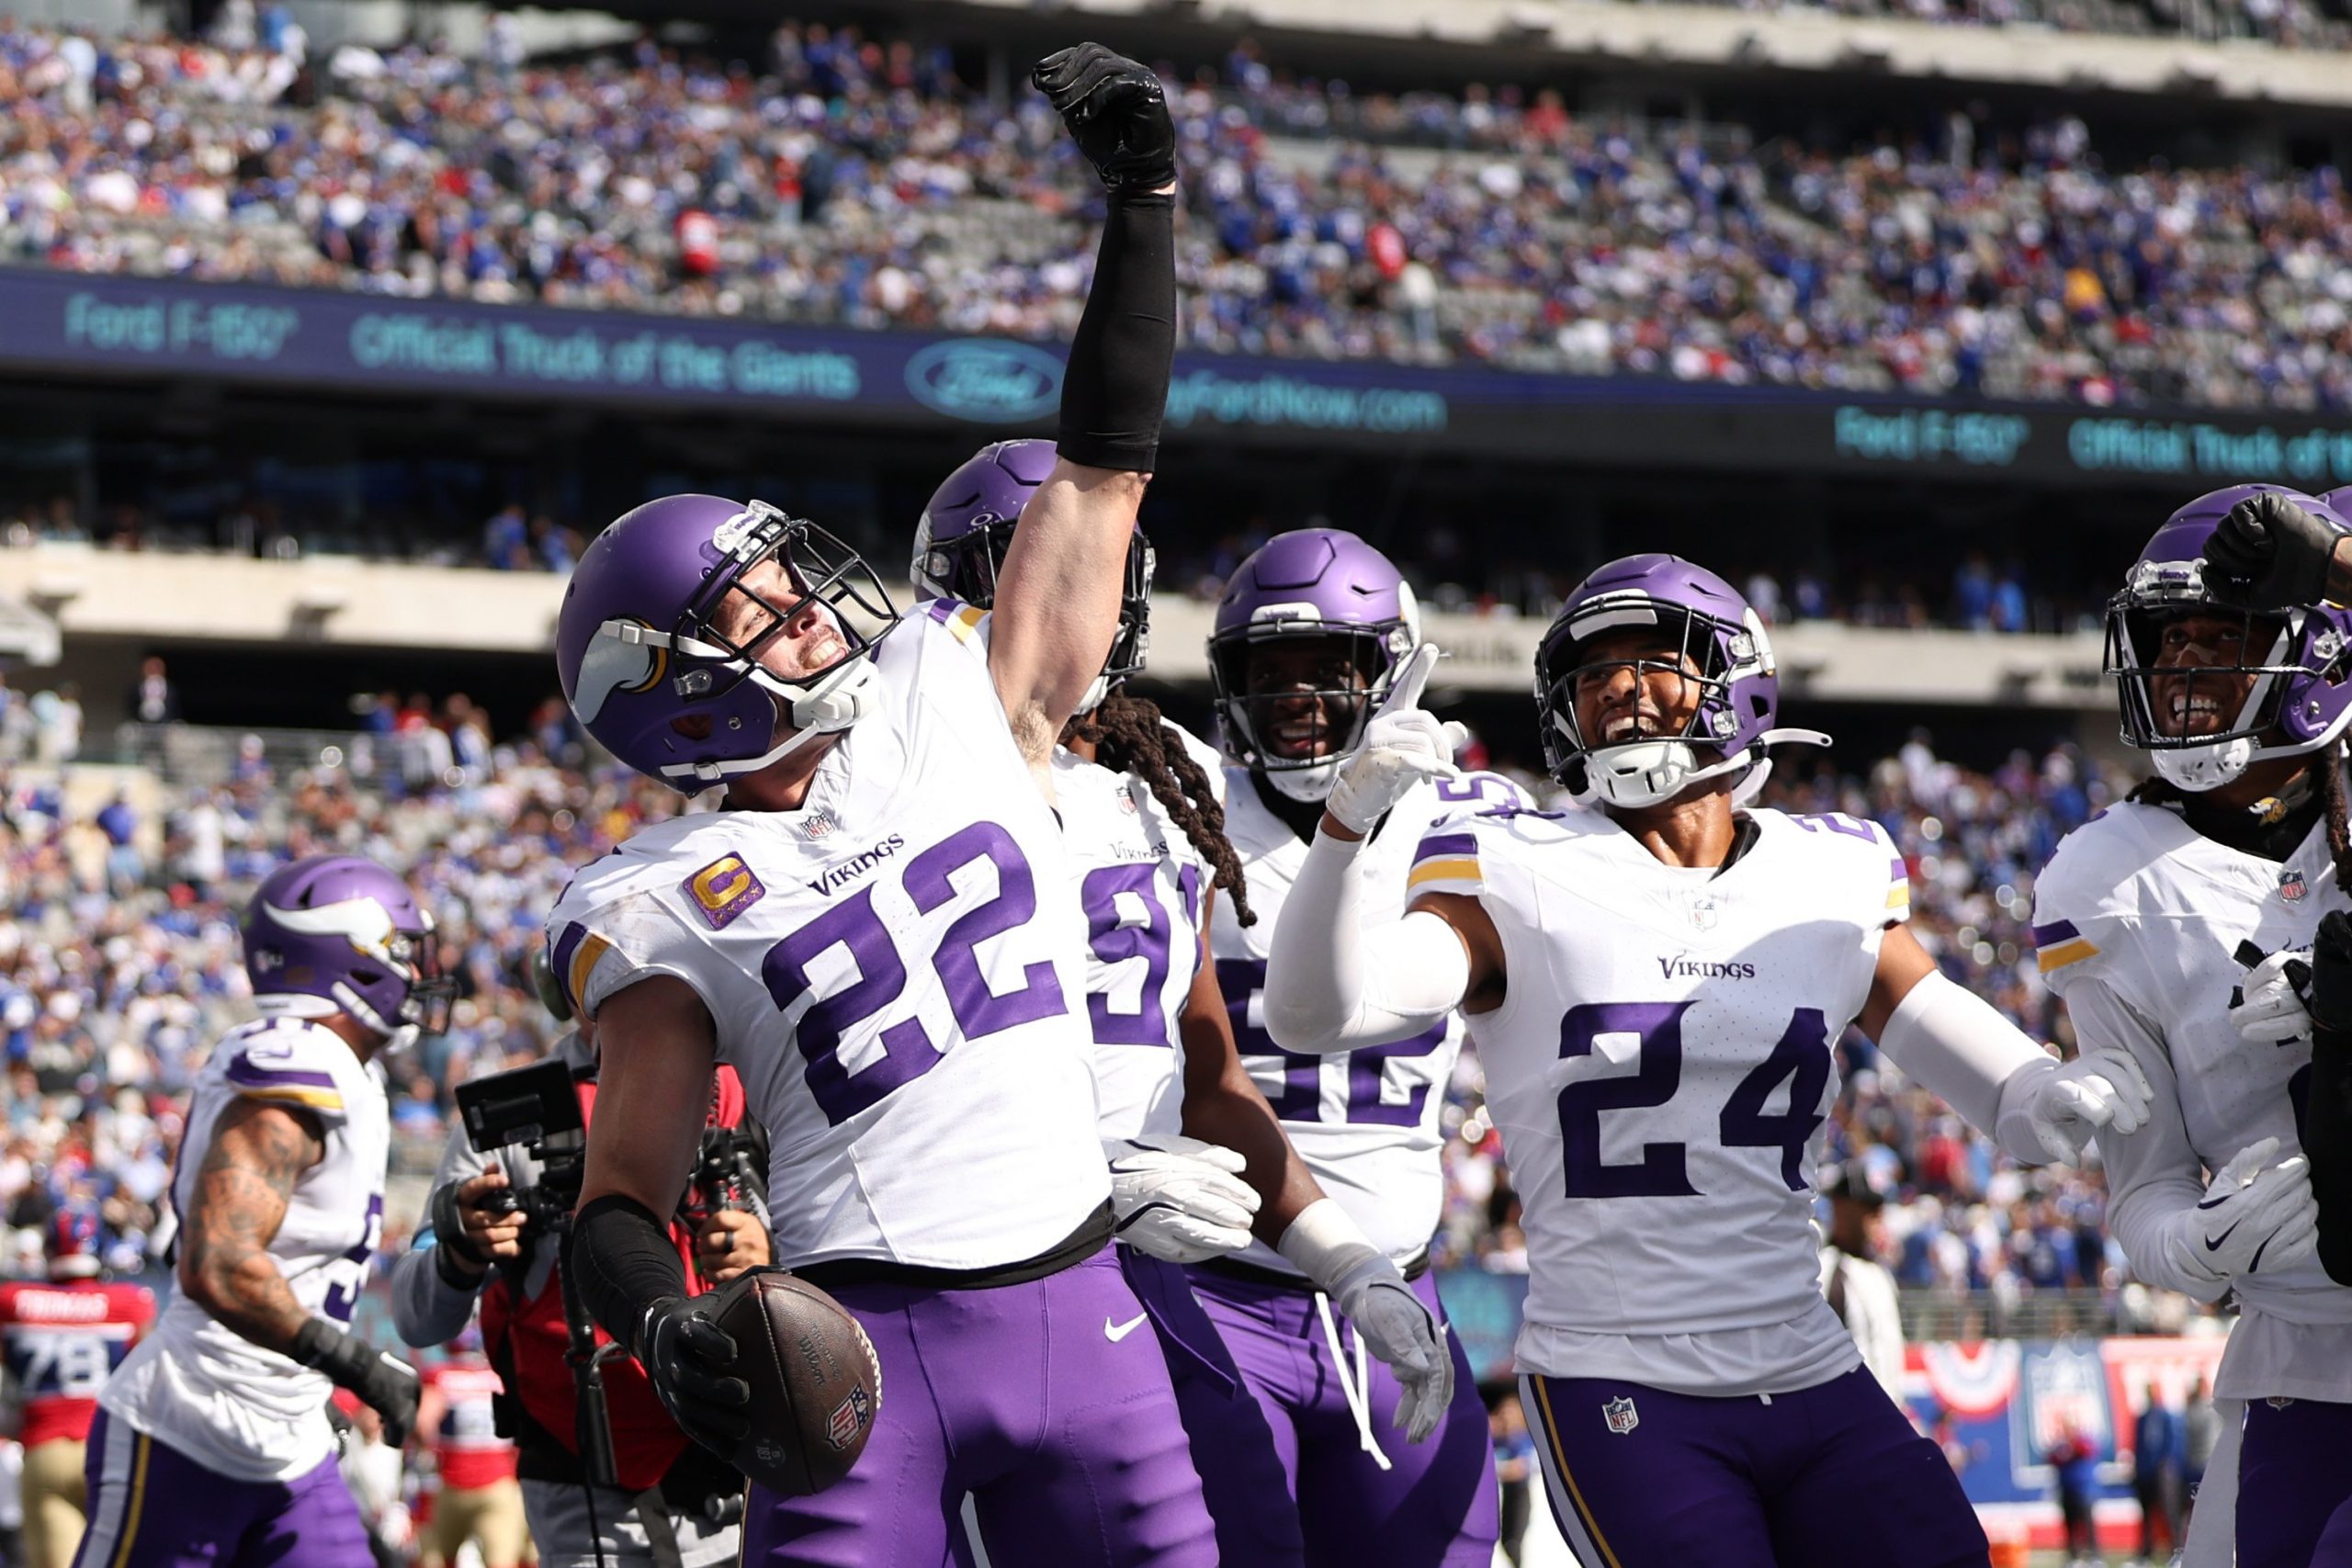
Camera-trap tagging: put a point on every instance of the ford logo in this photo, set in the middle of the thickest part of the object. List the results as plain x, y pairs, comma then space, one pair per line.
988, 381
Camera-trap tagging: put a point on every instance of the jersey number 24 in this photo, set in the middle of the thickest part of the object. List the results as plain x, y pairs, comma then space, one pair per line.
1801, 1060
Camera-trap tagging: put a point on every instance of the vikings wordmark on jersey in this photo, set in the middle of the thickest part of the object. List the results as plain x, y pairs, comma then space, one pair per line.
1660, 1069
894, 970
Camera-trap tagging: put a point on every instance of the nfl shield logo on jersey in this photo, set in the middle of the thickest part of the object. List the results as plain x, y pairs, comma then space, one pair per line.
1619, 1413
1703, 912
2291, 886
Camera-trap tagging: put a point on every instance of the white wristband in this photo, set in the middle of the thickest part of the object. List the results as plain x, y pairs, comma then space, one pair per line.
1325, 1244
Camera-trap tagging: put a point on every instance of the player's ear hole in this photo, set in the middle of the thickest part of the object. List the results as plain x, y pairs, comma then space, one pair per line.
693, 726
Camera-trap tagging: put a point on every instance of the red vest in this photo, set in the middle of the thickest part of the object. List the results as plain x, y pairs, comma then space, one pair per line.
529, 1337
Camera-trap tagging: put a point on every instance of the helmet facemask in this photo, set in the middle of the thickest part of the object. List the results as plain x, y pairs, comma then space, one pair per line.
2159, 704
713, 649
1252, 717
969, 567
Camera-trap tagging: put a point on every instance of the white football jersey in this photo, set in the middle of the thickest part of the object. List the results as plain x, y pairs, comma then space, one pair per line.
1660, 1069
196, 1384
2140, 904
896, 971
1366, 1121
1140, 885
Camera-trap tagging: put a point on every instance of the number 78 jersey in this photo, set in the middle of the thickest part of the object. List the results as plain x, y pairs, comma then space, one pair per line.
1660, 1069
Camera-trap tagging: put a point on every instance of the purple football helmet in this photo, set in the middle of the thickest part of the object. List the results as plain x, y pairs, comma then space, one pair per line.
1312, 582
337, 934
2299, 700
968, 526
651, 674
1718, 635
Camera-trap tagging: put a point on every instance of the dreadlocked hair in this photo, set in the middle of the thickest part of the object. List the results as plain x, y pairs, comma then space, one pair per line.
1129, 737
2155, 790
2340, 829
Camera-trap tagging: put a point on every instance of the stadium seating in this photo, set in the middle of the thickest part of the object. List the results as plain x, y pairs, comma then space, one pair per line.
862, 184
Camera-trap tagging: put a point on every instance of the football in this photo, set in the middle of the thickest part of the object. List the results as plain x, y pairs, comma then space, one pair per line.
816, 1383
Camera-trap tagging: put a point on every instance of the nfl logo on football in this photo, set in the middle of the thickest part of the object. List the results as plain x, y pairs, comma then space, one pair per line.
847, 1418
2291, 886
1619, 1413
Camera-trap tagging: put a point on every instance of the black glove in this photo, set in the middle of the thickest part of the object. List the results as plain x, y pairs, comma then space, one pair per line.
2331, 991
687, 1357
2270, 554
386, 1382
1117, 113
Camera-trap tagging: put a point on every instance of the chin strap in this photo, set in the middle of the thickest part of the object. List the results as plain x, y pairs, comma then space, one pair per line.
1679, 776
840, 701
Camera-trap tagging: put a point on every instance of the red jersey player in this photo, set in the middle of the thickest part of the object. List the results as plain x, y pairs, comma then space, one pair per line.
60, 1341
480, 1498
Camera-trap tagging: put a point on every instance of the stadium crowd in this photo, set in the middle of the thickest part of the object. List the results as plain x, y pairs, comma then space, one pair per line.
857, 181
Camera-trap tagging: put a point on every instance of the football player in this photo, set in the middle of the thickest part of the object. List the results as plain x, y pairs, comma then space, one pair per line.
1145, 832
878, 936
2231, 669
59, 1342
211, 1443
1655, 988
1306, 639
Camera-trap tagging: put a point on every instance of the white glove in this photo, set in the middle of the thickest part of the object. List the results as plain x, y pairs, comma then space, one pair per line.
2099, 1089
1402, 744
1391, 1322
2274, 1004
1398, 1328
1179, 1198
2255, 1215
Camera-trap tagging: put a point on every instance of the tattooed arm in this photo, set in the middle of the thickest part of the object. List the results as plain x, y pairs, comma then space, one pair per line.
258, 1152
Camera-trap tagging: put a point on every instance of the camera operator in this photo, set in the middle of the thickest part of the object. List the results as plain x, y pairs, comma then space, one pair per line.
496, 1224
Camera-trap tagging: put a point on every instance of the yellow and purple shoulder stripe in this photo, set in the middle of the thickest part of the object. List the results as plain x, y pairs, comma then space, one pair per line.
284, 1086
1445, 862
2059, 945
962, 619
1898, 888
574, 959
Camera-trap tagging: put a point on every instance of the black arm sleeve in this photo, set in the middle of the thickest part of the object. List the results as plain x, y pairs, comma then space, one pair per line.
1114, 391
623, 1261
2327, 1144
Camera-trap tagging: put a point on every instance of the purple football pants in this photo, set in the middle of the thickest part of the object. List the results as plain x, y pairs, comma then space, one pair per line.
1032, 1398
2295, 1485
152, 1506
1233, 1447
1830, 1476
1435, 1506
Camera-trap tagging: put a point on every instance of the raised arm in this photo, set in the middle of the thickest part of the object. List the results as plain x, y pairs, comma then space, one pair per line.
1057, 598
1331, 983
